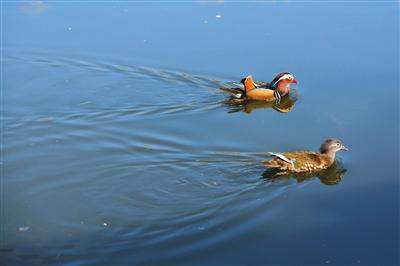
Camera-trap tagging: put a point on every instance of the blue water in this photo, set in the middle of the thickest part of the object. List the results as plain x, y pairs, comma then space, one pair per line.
119, 148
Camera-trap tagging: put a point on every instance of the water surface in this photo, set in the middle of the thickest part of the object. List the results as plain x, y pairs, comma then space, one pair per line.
119, 148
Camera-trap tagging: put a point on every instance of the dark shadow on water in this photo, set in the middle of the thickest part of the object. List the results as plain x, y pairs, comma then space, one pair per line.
286, 104
331, 176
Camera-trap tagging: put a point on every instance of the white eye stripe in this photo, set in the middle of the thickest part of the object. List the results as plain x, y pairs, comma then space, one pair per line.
286, 76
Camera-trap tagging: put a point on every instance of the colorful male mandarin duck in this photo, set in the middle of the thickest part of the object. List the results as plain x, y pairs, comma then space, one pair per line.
274, 91
306, 161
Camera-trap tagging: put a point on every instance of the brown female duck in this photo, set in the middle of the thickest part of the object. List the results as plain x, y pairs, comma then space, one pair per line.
306, 161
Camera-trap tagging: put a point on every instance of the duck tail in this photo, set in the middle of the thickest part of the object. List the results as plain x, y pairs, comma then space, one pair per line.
235, 92
272, 164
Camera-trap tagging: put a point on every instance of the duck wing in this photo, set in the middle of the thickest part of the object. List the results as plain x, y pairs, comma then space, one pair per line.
306, 161
280, 162
248, 85
263, 85
299, 161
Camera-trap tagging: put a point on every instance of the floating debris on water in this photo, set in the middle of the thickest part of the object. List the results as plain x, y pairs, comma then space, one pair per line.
45, 119
218, 16
85, 103
33, 7
23, 228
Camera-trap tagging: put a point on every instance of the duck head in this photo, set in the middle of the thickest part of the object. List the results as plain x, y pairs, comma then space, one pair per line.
331, 146
282, 82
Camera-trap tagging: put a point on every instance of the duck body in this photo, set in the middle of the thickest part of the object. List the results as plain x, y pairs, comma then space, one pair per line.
299, 161
261, 94
306, 161
264, 91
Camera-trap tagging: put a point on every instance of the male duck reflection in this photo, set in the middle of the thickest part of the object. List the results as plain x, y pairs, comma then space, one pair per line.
306, 161
263, 91
285, 105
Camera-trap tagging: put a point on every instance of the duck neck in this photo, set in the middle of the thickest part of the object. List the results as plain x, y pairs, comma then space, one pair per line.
282, 88
331, 154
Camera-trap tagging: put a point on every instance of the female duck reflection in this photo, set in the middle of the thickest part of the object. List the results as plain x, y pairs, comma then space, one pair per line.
257, 95
331, 176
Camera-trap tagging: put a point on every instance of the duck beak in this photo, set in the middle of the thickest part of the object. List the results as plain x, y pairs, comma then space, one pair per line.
294, 81
344, 148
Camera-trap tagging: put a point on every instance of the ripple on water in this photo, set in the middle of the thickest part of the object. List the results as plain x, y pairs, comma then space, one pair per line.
132, 176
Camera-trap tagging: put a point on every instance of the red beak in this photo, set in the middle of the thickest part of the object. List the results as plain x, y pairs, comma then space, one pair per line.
294, 81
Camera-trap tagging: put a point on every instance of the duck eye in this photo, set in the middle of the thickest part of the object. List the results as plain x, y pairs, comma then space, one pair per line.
338, 144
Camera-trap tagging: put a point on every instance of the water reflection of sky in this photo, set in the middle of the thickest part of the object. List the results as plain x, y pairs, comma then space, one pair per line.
113, 115
259, 38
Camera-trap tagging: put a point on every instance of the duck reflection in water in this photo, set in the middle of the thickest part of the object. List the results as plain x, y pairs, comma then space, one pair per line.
330, 176
285, 105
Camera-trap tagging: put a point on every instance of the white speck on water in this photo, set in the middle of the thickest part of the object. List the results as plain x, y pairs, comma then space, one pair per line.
23, 228
45, 119
105, 224
215, 183
218, 16
15, 125
69, 28
147, 146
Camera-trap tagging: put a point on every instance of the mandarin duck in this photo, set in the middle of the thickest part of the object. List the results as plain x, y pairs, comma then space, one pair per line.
264, 91
306, 161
